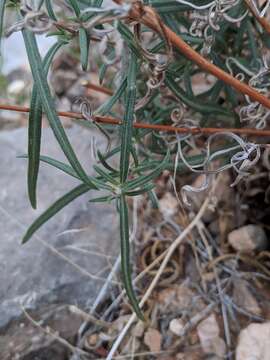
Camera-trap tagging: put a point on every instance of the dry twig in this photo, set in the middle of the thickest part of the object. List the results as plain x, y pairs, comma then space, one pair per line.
138, 125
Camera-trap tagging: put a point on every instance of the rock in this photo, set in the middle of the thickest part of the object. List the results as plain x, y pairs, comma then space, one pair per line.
118, 324
152, 339
248, 239
208, 332
175, 298
35, 275
138, 329
26, 341
244, 298
168, 205
253, 343
176, 326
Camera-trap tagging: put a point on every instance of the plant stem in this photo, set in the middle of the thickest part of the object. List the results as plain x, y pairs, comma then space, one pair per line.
165, 128
262, 20
148, 16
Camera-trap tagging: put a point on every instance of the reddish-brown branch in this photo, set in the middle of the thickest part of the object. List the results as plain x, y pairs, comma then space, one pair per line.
149, 17
98, 88
263, 21
139, 125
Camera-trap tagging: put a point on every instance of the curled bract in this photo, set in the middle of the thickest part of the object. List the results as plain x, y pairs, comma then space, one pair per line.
245, 157
87, 114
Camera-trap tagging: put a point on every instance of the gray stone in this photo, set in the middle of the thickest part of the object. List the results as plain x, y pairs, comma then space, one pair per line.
248, 238
253, 342
34, 274
44, 335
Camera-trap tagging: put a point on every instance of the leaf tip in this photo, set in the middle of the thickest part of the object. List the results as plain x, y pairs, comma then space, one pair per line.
25, 238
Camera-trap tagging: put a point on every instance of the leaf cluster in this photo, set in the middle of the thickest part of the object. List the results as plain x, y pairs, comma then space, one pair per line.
143, 154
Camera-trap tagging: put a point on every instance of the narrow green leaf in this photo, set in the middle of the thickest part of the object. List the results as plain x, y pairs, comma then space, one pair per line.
50, 10
98, 3
89, 14
134, 155
187, 81
48, 104
75, 7
67, 169
102, 199
194, 103
54, 209
112, 153
166, 7
104, 162
102, 72
153, 198
84, 41
127, 127
216, 90
128, 37
2, 12
142, 180
143, 190
106, 176
40, 4
34, 130
252, 41
95, 3
56, 33
105, 108
59, 165
125, 250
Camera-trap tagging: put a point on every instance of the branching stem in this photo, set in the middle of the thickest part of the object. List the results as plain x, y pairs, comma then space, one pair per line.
149, 17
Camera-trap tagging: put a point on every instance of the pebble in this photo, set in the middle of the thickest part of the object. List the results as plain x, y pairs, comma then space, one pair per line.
152, 339
248, 239
208, 332
176, 326
253, 342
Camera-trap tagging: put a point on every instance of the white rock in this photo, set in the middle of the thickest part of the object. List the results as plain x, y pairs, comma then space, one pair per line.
208, 327
176, 298
152, 339
208, 332
248, 238
168, 205
254, 343
176, 326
